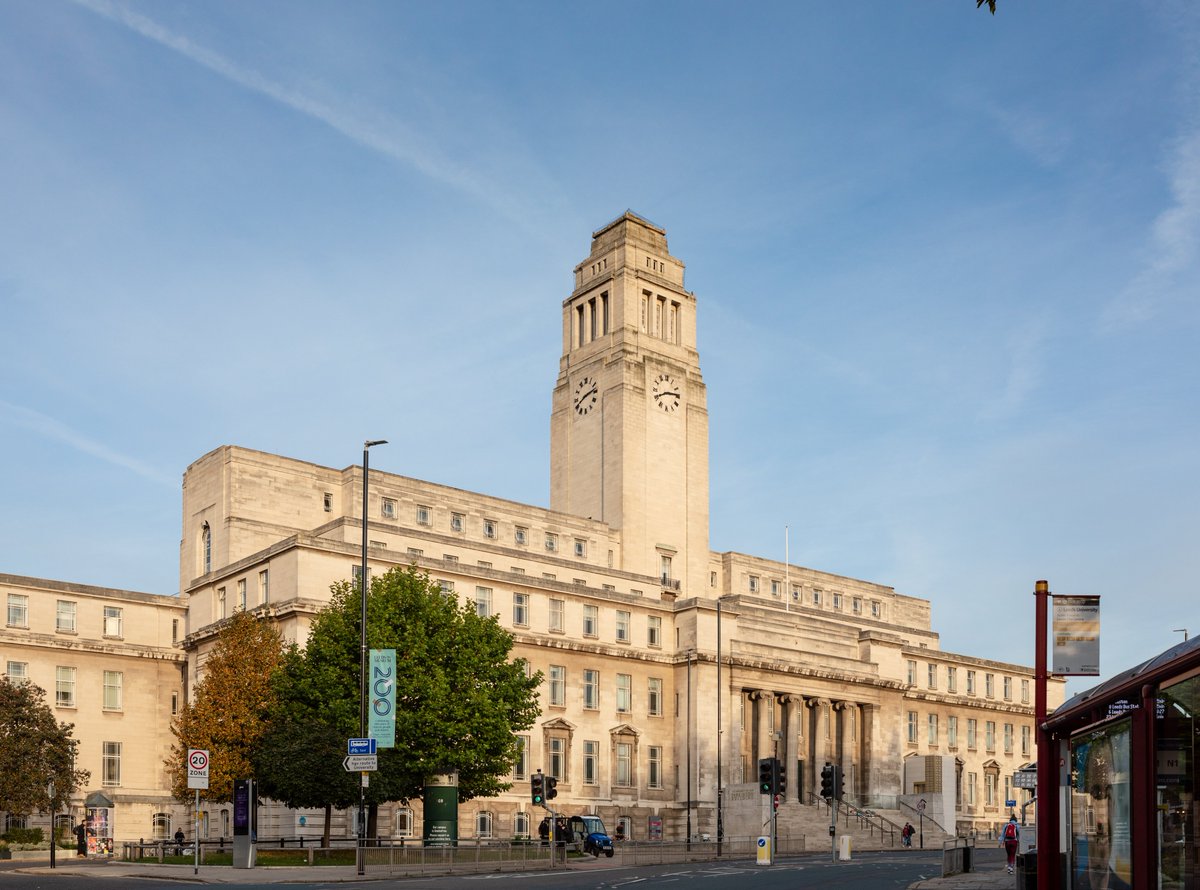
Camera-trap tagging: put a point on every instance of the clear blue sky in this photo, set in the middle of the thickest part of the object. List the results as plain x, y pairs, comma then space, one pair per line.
946, 266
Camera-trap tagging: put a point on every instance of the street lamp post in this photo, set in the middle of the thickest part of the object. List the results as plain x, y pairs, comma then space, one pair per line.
362, 691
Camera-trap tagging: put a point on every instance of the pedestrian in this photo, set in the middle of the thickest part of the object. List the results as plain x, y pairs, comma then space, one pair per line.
544, 830
81, 840
906, 834
179, 838
1010, 837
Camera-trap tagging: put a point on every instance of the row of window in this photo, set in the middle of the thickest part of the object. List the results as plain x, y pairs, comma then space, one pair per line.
241, 595
624, 762
622, 691
816, 596
490, 528
933, 733
989, 682
66, 684
66, 614
556, 616
968, 785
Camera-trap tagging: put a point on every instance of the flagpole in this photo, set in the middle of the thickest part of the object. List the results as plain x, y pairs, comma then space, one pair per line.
787, 573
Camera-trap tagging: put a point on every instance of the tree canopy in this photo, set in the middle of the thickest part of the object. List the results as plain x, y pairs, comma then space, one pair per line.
228, 714
459, 697
35, 749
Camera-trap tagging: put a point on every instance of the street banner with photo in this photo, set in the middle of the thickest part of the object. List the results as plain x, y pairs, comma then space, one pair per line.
382, 716
1076, 634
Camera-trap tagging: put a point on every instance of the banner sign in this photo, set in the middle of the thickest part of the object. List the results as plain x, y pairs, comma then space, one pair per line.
381, 724
1076, 632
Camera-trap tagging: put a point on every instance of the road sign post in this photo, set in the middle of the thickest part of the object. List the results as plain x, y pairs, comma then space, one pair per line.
197, 767
360, 763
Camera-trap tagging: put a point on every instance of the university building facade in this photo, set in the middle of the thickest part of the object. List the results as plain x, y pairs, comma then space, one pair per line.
666, 663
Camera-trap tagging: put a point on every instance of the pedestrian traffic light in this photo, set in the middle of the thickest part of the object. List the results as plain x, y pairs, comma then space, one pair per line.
551, 787
766, 778
827, 781
537, 789
780, 778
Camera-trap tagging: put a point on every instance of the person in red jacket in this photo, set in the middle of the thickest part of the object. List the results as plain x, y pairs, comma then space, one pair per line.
1010, 836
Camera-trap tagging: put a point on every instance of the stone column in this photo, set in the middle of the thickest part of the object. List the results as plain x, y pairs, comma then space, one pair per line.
866, 733
793, 733
818, 745
764, 745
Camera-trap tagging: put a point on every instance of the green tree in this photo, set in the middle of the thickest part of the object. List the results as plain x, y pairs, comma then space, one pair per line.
460, 697
228, 715
35, 750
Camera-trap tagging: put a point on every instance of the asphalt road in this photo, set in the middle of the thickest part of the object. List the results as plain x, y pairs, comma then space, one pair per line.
868, 871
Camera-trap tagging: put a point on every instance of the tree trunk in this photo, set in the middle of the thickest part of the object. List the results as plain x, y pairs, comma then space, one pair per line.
325, 833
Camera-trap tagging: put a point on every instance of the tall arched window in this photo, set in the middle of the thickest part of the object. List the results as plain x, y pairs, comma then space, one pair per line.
206, 548
483, 824
521, 824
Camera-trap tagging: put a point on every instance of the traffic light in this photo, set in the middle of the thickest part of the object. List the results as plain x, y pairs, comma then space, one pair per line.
537, 789
551, 787
836, 779
827, 781
766, 775
780, 778
839, 783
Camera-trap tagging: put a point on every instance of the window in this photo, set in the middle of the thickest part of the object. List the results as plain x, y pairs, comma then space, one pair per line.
971, 726
624, 777
624, 693
160, 826
622, 626
654, 697
591, 756
18, 610
521, 535
450, 558
754, 583
446, 587
932, 676
328, 502
456, 522
837, 602
876, 609
174, 703
423, 515
972, 783
952, 680
664, 568
856, 605
113, 681
387, 508
912, 673
1024, 692
654, 774
520, 824
1008, 738
932, 736
816, 598
551, 542
558, 685
64, 687
1025, 734
483, 602
489, 528
112, 621
1008, 688
521, 609
221, 599
241, 595
989, 685
989, 789
110, 765
775, 587
206, 548
483, 824
557, 766
591, 689
415, 552
989, 735
557, 611
970, 682
17, 671
912, 727
654, 631
580, 548
952, 732
404, 822
64, 616
591, 616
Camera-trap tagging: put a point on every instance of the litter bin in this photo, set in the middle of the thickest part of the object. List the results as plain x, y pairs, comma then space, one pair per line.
1027, 870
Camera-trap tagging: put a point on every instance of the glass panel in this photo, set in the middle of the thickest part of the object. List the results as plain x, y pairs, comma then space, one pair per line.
1100, 819
1176, 779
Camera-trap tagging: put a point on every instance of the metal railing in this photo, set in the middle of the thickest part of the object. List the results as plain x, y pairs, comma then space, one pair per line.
865, 819
958, 856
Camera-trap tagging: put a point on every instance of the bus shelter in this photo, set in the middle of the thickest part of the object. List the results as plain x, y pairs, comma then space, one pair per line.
1124, 766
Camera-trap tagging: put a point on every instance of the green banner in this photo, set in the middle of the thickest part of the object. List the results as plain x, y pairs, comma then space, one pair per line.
382, 718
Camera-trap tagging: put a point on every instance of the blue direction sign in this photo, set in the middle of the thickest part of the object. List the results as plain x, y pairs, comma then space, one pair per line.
360, 746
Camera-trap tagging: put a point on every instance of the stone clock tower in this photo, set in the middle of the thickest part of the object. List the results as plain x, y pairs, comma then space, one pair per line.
629, 423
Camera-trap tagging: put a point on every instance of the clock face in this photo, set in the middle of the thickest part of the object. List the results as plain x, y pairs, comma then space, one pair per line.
666, 393
586, 395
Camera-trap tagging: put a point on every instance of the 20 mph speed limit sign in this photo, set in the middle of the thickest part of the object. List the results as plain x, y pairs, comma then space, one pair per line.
197, 767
